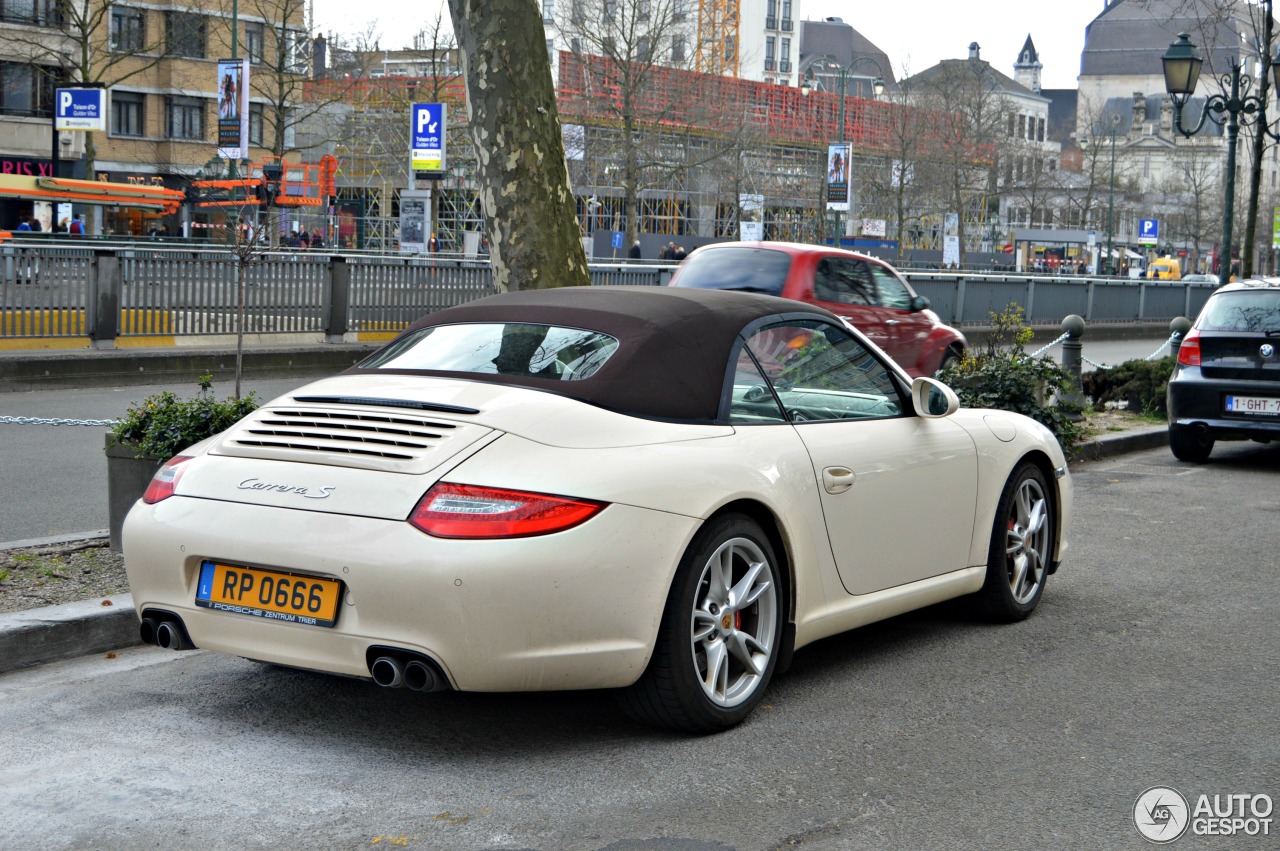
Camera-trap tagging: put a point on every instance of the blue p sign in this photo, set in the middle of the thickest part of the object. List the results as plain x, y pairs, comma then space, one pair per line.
427, 143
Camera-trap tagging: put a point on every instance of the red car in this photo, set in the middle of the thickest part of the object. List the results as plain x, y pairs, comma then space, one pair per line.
866, 291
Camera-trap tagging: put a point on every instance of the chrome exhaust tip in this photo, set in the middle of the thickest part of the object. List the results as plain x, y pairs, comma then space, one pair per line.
171, 636
147, 630
387, 672
419, 676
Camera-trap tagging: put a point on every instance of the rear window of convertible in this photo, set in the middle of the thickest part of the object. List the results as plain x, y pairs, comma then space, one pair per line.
500, 348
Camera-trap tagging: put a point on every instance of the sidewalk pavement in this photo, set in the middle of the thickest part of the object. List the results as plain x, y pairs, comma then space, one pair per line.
40, 636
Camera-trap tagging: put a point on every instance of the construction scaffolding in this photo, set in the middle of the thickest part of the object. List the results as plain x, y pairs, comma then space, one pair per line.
710, 142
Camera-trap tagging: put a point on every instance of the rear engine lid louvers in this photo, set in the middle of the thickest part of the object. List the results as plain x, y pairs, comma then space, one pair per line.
363, 435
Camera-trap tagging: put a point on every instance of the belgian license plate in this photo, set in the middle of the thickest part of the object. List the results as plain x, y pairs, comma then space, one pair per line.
269, 594
1260, 405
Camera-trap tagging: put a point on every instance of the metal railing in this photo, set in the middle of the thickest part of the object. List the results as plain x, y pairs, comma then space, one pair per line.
144, 291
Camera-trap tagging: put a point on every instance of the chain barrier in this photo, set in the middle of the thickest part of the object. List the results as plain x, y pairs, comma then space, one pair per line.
1047, 347
1149, 357
56, 421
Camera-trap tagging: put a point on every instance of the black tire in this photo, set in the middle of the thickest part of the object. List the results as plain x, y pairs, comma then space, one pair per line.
1022, 546
731, 622
1190, 445
949, 358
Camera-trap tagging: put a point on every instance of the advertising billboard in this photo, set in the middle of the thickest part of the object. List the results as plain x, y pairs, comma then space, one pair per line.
233, 109
838, 177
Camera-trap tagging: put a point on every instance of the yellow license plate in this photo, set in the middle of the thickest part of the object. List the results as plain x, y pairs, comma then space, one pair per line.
269, 594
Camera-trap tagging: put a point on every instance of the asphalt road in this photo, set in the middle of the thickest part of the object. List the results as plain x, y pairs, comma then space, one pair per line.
55, 477
1151, 661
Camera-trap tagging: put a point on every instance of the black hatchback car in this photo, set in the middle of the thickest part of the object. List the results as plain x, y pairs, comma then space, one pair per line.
1226, 385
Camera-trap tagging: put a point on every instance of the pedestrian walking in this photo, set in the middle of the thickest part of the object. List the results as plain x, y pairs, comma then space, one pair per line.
24, 225
317, 240
678, 254
634, 252
76, 228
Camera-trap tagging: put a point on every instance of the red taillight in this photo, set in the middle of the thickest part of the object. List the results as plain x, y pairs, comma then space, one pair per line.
470, 511
165, 479
1189, 351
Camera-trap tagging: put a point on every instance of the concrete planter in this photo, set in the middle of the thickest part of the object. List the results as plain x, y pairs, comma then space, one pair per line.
128, 475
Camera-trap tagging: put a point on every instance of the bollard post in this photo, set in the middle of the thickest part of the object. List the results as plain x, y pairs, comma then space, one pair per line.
1178, 329
1073, 327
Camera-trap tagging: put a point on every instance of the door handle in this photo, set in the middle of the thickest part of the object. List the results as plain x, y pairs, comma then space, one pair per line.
891, 322
837, 479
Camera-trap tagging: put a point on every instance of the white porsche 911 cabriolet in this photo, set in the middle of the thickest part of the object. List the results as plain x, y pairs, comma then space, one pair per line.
661, 491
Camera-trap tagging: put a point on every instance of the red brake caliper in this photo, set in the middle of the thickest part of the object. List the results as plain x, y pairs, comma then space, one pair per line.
737, 620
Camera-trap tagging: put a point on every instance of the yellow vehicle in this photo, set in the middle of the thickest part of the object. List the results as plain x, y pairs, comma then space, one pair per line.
1165, 269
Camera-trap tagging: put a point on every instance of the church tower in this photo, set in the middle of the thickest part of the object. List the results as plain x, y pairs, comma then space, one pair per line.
1027, 69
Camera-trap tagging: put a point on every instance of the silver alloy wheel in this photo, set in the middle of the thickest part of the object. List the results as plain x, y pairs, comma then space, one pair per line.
734, 622
1028, 541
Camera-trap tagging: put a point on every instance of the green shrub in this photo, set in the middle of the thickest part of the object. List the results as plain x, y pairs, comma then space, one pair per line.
163, 425
1003, 376
1140, 383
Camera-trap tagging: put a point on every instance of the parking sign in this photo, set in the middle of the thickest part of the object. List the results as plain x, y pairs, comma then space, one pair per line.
81, 109
427, 136
1148, 231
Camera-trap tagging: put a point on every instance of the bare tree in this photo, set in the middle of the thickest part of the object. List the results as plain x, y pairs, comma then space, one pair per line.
1197, 183
653, 122
515, 126
970, 113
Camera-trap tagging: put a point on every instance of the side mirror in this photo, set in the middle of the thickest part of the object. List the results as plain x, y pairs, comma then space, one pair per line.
931, 398
919, 303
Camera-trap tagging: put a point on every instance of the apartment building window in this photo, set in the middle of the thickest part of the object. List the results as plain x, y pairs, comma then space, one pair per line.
1040, 130
643, 11
551, 53
786, 16
256, 124
548, 11
1022, 127
38, 13
678, 49
575, 45
644, 50
1013, 130
185, 118
771, 15
299, 56
255, 42
184, 34
127, 113
769, 55
610, 9
26, 89
785, 56
680, 10
128, 29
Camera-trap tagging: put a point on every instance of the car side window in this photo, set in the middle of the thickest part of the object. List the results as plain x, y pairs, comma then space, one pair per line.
843, 281
822, 373
893, 293
753, 402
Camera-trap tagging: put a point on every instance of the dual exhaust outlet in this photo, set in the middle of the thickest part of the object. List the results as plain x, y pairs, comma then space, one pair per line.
405, 670
164, 630
389, 668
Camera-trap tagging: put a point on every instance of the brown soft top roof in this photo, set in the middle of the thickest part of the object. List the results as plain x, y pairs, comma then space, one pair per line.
673, 343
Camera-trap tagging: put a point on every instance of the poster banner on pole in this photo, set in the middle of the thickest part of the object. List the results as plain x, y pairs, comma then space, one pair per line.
414, 226
233, 109
1275, 228
838, 177
951, 241
750, 216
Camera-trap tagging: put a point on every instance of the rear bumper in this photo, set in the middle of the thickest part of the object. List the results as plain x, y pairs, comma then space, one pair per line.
575, 610
1196, 402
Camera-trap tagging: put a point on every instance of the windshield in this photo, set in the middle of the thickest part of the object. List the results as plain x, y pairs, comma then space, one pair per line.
757, 270
512, 348
1243, 310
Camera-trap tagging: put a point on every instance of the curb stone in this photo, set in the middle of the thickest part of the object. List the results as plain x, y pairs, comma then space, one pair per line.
49, 634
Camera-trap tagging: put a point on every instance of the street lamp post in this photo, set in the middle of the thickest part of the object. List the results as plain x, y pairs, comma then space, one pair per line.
1232, 105
808, 82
